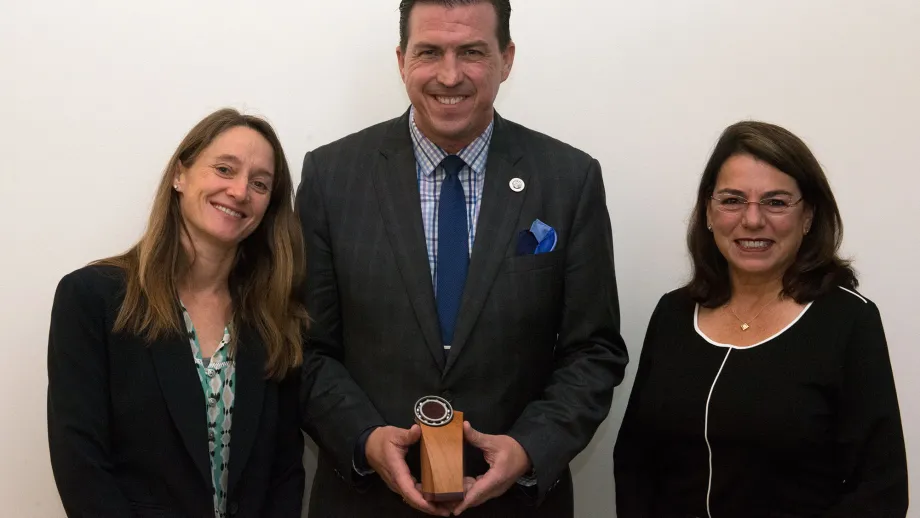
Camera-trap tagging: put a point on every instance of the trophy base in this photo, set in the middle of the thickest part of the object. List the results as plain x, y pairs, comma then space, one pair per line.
442, 461
442, 497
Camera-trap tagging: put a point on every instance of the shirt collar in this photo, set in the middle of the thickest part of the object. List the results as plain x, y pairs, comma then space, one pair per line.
429, 155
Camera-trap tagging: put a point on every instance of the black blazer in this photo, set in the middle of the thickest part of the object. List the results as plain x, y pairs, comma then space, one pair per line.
537, 348
126, 419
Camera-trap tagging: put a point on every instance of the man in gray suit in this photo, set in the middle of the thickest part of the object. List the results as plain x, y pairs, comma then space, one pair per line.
454, 253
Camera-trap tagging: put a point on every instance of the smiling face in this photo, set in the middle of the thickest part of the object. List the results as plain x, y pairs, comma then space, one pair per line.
755, 242
452, 68
224, 194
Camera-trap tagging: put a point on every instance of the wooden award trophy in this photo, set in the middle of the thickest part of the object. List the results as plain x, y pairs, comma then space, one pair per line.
441, 448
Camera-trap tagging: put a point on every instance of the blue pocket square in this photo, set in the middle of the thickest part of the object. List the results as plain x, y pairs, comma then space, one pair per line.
540, 238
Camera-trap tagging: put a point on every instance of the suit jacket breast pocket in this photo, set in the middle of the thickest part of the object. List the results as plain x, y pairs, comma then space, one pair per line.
528, 297
525, 263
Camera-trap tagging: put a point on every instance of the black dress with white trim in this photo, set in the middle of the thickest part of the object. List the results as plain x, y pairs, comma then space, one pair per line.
805, 423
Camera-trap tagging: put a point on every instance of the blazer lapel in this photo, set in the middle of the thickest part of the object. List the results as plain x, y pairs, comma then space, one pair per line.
498, 217
396, 184
181, 389
248, 396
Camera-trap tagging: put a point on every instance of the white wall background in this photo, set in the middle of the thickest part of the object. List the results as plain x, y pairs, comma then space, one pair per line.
95, 95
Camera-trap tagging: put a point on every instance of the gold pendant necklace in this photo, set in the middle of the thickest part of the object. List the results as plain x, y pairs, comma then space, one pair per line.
747, 325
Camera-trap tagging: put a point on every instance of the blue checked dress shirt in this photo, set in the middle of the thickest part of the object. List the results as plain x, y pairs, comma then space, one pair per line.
428, 156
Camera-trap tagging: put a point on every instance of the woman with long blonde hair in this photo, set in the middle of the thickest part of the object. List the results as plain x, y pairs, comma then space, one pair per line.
173, 368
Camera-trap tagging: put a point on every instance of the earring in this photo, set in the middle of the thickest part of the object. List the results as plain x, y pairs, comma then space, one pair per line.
709, 227
176, 186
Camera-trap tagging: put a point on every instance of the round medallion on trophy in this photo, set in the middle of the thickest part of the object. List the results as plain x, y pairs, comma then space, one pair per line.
433, 411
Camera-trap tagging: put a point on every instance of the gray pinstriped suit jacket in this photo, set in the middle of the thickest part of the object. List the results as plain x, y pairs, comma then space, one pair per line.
537, 348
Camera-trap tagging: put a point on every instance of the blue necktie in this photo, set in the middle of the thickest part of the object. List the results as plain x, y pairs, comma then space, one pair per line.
453, 248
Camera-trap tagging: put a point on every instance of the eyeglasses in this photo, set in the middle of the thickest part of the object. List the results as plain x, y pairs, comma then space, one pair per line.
732, 204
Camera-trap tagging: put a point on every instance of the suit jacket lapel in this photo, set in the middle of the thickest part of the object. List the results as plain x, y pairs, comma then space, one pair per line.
396, 184
247, 401
181, 389
498, 216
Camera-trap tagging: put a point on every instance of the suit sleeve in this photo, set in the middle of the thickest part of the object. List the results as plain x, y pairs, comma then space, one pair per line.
633, 468
334, 409
590, 354
79, 431
870, 438
285, 495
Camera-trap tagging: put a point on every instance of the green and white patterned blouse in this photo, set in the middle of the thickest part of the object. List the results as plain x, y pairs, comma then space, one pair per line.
218, 377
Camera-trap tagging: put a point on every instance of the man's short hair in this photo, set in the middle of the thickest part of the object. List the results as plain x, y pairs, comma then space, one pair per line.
502, 9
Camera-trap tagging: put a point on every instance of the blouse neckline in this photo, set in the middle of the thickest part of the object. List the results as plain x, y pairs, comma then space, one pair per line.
696, 326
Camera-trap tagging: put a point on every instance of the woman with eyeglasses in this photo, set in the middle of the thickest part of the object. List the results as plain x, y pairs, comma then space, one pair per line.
764, 387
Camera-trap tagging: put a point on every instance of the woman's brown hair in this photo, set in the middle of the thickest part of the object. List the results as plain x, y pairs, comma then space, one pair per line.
817, 266
266, 275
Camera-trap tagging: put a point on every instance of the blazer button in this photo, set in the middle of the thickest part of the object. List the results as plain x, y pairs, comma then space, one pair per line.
212, 400
233, 508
